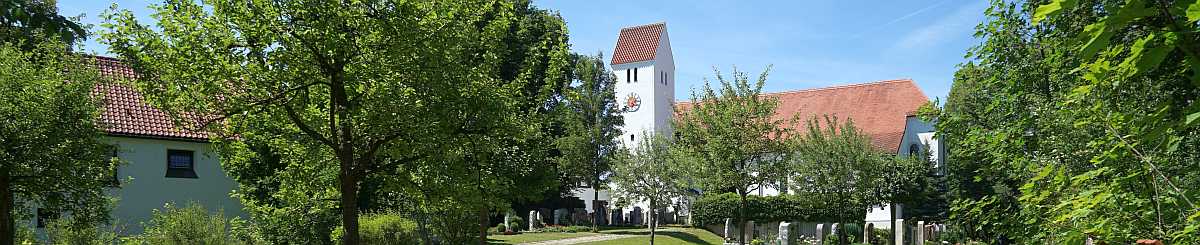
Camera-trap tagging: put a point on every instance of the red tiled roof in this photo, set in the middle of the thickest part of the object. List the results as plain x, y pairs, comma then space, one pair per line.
125, 111
880, 109
637, 43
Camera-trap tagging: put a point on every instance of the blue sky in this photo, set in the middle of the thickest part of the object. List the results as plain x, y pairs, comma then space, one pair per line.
811, 43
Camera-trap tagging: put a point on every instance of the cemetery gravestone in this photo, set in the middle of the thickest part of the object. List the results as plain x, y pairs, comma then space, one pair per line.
532, 219
728, 229
508, 223
899, 227
920, 240
820, 233
867, 232
785, 234
833, 230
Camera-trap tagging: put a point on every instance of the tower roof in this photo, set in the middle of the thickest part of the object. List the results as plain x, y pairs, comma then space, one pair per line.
638, 43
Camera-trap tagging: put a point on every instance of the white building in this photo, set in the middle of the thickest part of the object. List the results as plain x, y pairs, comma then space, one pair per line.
645, 70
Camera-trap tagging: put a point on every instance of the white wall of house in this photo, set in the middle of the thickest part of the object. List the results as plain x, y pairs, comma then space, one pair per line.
918, 135
145, 187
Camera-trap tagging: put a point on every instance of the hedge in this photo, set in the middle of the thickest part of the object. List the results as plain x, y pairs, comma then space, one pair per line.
714, 209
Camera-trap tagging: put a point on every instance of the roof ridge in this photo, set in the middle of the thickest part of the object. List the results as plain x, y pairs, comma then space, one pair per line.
880, 82
644, 25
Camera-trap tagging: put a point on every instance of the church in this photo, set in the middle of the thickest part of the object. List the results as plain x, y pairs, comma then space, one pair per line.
645, 69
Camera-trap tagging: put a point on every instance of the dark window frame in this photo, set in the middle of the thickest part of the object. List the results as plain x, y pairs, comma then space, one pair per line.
635, 74
628, 78
44, 216
116, 174
187, 173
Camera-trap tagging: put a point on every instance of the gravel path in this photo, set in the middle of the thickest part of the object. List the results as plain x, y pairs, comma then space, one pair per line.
578, 240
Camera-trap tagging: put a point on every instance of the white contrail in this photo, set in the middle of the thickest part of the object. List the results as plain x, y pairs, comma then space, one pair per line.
901, 18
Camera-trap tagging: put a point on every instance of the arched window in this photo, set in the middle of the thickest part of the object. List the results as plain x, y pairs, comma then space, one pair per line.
914, 150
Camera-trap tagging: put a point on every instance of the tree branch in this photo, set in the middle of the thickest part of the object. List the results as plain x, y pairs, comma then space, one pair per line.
295, 118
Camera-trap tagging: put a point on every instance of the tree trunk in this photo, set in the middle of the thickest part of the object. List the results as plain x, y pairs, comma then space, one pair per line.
7, 226
843, 239
483, 224
653, 220
742, 217
596, 204
349, 189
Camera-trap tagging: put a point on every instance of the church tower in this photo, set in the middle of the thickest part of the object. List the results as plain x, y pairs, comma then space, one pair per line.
645, 88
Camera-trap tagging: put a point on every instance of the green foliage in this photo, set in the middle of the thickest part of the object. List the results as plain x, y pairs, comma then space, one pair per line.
728, 139
714, 209
54, 156
386, 104
385, 228
836, 160
192, 224
1074, 120
592, 120
31, 22
651, 173
66, 231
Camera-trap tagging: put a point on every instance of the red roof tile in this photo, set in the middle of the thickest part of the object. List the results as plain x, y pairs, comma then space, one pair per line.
879, 109
638, 43
125, 111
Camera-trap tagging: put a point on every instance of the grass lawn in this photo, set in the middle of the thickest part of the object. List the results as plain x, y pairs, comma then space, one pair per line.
534, 237
665, 236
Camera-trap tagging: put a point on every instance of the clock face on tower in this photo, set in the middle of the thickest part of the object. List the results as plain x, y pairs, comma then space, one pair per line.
633, 102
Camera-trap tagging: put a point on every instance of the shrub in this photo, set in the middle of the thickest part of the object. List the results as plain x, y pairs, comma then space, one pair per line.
567, 229
66, 231
517, 223
383, 228
713, 209
189, 225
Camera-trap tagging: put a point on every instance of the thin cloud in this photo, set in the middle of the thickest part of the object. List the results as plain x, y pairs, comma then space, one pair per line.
901, 18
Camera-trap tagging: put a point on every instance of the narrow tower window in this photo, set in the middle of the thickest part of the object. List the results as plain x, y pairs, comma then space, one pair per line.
635, 74
627, 77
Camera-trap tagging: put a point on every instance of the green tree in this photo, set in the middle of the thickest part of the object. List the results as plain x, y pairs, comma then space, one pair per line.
593, 121
27, 23
733, 143
52, 154
1074, 120
346, 89
837, 161
649, 173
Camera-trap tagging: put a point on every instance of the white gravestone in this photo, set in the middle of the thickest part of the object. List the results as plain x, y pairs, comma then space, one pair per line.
785, 234
532, 220
833, 230
508, 222
870, 229
920, 240
899, 227
820, 233
728, 229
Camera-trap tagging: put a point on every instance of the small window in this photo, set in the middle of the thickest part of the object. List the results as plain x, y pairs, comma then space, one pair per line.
181, 164
914, 150
45, 216
635, 74
628, 78
631, 137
